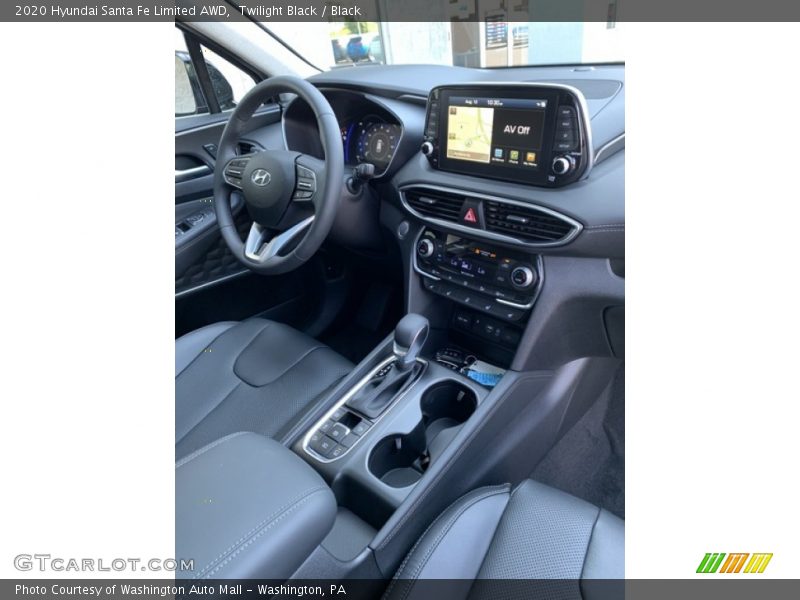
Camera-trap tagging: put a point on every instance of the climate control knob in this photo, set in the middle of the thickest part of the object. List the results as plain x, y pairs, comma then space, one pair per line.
425, 248
522, 277
563, 165
426, 148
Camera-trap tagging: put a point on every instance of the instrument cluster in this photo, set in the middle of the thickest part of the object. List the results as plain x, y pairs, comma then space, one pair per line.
370, 139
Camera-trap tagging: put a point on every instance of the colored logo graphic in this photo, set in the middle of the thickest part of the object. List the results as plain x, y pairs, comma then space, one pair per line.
734, 563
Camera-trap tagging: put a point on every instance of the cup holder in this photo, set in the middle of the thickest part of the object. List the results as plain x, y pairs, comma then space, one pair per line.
399, 460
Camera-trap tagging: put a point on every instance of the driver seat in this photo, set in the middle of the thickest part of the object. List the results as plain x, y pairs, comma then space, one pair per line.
255, 375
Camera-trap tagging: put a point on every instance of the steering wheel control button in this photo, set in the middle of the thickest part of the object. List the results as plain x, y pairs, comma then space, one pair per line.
305, 172
306, 184
234, 171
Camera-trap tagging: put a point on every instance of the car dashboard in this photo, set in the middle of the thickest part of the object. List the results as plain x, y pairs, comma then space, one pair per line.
386, 115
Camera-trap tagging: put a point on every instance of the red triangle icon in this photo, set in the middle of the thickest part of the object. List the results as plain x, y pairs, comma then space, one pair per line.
470, 216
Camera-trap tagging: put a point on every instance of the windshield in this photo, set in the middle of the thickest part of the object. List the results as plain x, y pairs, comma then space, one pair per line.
490, 43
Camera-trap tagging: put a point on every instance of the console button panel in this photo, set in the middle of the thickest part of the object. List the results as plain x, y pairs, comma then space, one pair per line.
487, 328
334, 437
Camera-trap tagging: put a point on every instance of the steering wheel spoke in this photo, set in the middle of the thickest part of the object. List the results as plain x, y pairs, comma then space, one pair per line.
234, 170
259, 248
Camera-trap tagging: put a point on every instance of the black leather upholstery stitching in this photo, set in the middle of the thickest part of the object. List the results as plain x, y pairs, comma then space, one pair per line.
252, 341
284, 372
265, 524
494, 533
191, 362
206, 448
212, 409
261, 532
588, 545
493, 491
267, 325
240, 381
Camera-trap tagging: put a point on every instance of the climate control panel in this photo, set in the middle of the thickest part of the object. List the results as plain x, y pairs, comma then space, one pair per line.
500, 282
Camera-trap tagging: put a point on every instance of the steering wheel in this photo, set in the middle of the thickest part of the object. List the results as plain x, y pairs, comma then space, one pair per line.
287, 194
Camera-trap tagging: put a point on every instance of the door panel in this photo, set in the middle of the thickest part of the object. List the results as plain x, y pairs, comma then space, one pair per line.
201, 256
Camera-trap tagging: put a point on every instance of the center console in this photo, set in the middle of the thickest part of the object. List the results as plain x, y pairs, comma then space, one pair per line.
375, 443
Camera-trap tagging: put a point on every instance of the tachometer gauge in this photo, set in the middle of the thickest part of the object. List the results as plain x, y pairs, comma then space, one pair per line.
377, 143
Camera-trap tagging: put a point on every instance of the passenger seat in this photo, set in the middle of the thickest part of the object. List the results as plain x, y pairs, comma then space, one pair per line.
534, 532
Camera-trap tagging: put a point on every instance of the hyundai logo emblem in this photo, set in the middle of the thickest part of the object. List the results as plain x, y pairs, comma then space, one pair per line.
261, 177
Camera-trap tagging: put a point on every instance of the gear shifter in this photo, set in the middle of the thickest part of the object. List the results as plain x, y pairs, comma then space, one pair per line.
409, 337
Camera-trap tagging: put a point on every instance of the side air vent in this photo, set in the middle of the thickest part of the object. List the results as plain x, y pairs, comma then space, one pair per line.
436, 203
526, 223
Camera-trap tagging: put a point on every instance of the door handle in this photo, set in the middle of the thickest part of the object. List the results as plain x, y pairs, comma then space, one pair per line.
193, 173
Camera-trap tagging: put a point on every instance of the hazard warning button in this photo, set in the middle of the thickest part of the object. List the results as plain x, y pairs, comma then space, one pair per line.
470, 214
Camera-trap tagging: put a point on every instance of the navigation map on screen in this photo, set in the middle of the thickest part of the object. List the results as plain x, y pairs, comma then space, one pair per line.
505, 131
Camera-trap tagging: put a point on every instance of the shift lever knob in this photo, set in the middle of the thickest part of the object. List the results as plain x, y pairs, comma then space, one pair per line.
409, 337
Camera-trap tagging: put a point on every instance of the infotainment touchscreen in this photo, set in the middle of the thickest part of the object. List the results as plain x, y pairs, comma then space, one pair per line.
504, 131
534, 133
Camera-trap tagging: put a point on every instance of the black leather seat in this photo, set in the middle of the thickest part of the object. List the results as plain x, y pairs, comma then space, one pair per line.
256, 375
533, 542
247, 507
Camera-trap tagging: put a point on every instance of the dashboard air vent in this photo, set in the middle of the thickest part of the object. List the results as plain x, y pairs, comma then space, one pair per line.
247, 148
526, 223
511, 220
436, 203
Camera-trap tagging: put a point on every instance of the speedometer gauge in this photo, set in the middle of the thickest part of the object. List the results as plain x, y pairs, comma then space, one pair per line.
376, 143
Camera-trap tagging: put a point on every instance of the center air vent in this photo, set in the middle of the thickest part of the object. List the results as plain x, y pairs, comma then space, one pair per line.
527, 223
436, 203
514, 221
